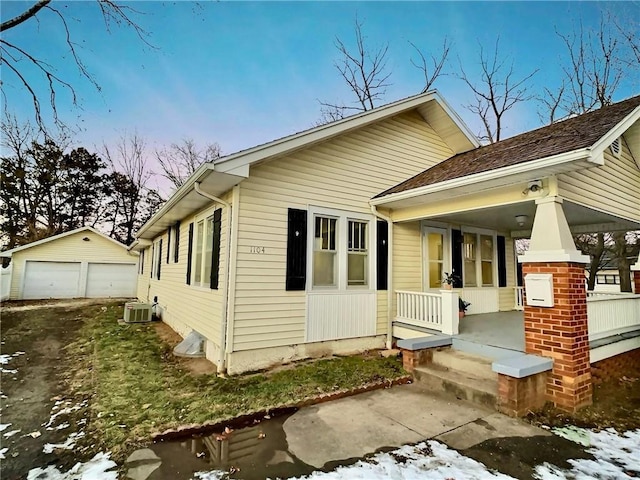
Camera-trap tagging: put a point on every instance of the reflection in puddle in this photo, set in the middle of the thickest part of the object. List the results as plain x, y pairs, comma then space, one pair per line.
256, 452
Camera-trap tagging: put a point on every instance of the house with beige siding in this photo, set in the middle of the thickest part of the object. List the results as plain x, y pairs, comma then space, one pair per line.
336, 239
79, 263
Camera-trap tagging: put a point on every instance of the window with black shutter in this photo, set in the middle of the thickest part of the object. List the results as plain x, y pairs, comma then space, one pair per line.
168, 244
176, 242
189, 253
296, 250
382, 254
159, 259
215, 254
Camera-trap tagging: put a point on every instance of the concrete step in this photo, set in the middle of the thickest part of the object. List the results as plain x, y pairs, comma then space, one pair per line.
463, 385
472, 365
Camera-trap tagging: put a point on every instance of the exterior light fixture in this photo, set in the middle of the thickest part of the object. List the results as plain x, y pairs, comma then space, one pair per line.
521, 220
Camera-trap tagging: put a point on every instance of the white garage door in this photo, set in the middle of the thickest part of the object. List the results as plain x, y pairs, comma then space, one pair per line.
111, 280
51, 279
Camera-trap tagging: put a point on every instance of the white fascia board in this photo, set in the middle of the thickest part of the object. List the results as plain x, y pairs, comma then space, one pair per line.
601, 145
309, 137
568, 157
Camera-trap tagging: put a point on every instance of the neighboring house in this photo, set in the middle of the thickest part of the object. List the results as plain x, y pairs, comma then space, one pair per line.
304, 247
79, 263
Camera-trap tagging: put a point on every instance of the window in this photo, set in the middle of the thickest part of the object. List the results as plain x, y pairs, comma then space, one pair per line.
357, 271
324, 252
176, 242
141, 260
435, 252
204, 251
469, 251
340, 250
479, 263
486, 259
156, 259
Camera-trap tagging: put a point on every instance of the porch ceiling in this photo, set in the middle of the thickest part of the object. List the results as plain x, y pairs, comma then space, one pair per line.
581, 219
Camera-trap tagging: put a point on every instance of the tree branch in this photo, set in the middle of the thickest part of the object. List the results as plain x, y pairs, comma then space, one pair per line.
24, 16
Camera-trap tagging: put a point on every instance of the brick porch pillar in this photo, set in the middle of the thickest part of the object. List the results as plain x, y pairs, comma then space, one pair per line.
559, 331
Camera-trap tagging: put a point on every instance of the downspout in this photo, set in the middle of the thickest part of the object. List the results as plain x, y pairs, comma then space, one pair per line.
387, 219
225, 295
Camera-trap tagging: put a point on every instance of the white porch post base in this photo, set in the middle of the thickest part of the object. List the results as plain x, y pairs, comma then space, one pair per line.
450, 317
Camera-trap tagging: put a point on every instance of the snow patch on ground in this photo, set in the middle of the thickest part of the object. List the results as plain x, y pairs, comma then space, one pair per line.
616, 457
4, 426
11, 433
4, 358
2, 452
98, 468
68, 444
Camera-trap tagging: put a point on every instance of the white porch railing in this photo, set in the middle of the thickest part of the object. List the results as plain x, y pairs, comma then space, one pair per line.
519, 298
437, 311
612, 314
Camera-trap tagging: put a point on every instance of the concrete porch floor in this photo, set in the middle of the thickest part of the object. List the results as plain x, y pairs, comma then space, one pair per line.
498, 329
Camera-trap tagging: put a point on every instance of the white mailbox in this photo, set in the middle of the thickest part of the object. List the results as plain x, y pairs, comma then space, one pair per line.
539, 289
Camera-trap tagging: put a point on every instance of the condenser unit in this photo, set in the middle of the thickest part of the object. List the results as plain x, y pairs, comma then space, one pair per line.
135, 312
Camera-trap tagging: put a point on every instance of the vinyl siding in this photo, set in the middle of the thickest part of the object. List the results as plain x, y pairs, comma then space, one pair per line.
613, 187
186, 307
342, 173
69, 249
506, 296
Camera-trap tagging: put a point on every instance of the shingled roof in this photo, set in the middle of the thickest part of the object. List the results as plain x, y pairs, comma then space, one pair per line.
561, 137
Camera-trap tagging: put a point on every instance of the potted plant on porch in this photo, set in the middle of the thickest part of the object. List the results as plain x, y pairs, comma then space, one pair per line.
449, 279
462, 307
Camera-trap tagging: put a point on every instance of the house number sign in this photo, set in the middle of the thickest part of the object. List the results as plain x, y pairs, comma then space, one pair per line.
256, 250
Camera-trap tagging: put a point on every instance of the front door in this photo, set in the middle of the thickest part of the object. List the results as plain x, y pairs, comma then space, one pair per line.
436, 256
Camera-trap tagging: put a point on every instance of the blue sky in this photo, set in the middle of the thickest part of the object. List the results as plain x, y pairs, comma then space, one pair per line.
242, 73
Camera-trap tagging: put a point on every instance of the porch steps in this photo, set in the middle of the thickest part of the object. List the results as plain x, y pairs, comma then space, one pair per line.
481, 350
462, 375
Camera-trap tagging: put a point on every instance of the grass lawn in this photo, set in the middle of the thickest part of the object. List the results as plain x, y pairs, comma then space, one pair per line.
138, 387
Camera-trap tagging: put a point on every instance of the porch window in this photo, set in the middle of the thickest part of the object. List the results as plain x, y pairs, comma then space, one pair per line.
469, 252
357, 253
486, 258
324, 252
479, 258
435, 258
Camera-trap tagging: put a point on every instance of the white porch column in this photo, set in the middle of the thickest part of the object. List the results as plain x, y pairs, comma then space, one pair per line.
450, 317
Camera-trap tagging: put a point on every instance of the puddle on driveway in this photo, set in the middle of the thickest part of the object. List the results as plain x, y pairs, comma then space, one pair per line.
258, 451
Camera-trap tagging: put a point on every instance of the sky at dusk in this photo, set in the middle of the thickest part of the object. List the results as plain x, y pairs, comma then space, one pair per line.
242, 73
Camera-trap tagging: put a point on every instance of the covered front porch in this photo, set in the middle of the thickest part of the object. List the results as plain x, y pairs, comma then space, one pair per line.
613, 327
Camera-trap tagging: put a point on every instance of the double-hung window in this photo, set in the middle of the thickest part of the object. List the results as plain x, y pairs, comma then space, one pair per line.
479, 255
340, 251
202, 252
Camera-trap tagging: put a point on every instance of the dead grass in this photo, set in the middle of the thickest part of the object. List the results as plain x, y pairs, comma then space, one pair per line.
138, 387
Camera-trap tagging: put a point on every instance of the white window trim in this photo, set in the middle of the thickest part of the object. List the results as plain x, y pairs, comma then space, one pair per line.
154, 258
201, 217
494, 262
342, 216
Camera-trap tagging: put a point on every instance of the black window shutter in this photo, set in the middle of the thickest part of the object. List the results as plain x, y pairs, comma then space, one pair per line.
215, 254
176, 243
502, 261
141, 262
456, 257
189, 253
168, 244
382, 253
153, 256
296, 250
159, 259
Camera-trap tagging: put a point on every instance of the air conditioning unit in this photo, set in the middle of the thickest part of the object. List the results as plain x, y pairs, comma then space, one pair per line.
136, 312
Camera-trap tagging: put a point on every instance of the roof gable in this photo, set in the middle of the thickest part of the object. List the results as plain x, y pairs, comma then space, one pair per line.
9, 253
590, 131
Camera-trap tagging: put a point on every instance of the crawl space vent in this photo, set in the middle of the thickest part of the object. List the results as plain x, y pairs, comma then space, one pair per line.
192, 346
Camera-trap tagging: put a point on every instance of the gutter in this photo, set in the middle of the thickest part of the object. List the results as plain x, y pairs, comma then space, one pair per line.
225, 295
374, 210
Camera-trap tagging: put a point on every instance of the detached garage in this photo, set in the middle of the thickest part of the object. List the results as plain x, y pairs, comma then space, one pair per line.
80, 263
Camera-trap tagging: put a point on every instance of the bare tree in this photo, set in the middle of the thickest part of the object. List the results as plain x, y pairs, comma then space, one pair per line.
596, 64
594, 246
365, 72
431, 69
180, 160
129, 189
497, 92
26, 66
